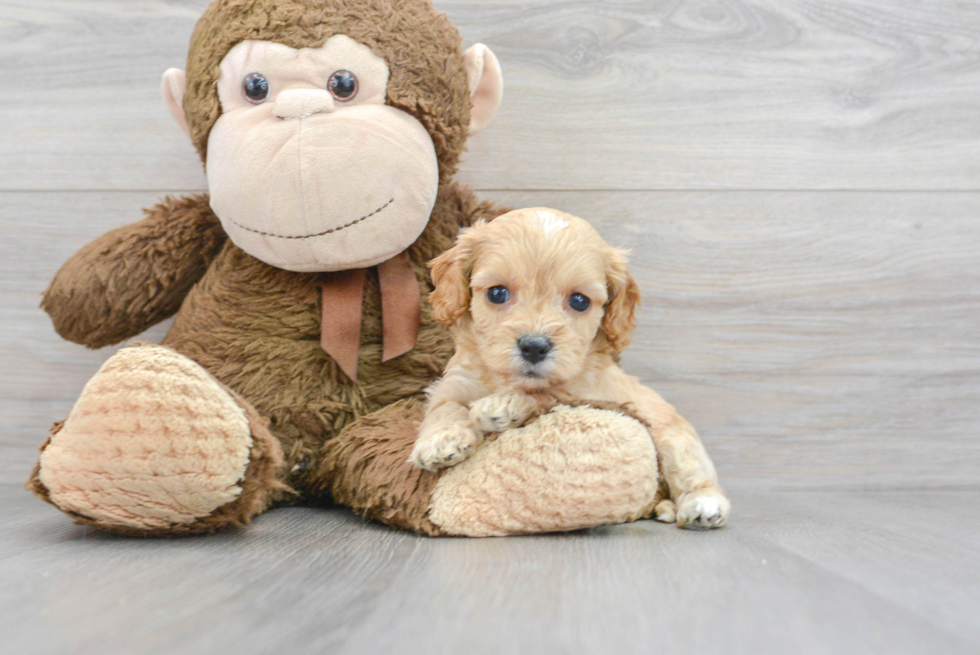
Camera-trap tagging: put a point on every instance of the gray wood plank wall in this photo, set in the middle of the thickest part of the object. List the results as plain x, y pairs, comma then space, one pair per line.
799, 180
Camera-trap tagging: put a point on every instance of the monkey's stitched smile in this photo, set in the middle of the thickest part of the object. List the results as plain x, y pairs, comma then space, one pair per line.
318, 234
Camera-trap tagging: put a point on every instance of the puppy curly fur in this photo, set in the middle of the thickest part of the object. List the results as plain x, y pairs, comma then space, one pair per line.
543, 257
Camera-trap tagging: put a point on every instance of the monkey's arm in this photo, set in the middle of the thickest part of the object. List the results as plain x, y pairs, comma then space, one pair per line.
135, 276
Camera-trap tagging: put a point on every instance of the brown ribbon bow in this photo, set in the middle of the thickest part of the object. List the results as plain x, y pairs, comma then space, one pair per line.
343, 297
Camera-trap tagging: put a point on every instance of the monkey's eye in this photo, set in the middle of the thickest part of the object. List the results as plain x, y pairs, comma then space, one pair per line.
342, 85
256, 88
578, 302
498, 295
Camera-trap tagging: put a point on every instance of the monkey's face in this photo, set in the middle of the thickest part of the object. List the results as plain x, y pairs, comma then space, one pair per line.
327, 127
308, 168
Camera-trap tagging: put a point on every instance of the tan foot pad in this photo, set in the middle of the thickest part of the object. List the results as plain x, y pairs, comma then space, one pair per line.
154, 441
576, 467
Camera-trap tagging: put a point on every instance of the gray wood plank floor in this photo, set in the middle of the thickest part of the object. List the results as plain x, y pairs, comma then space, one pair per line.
800, 184
796, 572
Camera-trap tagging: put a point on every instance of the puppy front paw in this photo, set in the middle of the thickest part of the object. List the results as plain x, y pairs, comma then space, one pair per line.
703, 509
499, 412
444, 446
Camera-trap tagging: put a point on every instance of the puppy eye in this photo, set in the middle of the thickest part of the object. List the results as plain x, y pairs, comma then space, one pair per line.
342, 85
578, 302
256, 88
498, 295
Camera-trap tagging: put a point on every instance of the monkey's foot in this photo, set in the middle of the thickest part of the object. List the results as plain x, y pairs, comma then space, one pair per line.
155, 445
573, 468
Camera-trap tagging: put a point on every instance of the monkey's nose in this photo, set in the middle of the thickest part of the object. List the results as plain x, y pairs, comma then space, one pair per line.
302, 103
534, 347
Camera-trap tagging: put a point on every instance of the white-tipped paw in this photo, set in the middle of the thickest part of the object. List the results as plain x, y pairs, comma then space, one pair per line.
703, 509
499, 412
444, 446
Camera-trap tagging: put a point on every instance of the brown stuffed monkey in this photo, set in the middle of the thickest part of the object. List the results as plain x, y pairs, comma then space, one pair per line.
303, 341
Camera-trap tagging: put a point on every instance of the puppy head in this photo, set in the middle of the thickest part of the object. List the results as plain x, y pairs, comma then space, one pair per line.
533, 294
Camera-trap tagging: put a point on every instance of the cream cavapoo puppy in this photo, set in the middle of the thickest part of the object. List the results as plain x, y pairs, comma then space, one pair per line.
541, 307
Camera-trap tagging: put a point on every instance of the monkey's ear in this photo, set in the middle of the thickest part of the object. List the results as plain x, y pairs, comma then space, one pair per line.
173, 86
486, 85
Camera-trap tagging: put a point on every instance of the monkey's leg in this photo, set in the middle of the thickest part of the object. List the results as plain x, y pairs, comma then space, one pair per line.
366, 468
574, 468
156, 446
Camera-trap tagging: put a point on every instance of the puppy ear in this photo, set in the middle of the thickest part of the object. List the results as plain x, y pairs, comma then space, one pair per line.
450, 275
619, 319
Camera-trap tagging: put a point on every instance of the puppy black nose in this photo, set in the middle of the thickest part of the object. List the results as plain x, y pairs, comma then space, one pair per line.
534, 348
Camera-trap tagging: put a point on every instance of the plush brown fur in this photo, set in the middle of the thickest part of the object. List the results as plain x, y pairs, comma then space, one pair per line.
367, 468
254, 327
135, 276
